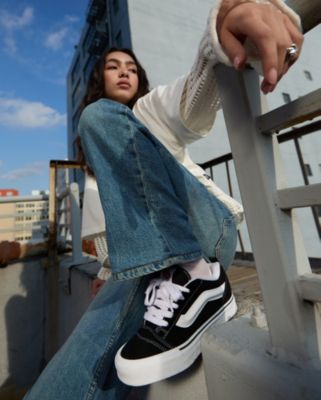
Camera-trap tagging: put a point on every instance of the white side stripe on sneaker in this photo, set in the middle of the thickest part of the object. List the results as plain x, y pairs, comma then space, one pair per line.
189, 318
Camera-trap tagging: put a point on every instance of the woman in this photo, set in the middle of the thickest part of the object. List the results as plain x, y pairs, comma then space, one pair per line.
93, 220
162, 213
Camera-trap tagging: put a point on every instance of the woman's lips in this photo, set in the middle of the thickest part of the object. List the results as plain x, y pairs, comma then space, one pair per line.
123, 84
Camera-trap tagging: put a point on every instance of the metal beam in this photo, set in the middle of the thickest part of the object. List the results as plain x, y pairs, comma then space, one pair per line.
301, 196
298, 111
276, 241
310, 287
65, 164
309, 11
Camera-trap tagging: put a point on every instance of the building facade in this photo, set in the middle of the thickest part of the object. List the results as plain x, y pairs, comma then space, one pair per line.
165, 36
24, 219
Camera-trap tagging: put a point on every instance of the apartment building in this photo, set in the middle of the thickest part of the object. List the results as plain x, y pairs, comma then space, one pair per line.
24, 219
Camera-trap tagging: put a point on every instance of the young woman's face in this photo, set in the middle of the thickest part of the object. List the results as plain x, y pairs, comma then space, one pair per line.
120, 77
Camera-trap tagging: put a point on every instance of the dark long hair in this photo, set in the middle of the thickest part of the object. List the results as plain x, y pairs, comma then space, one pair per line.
96, 90
96, 86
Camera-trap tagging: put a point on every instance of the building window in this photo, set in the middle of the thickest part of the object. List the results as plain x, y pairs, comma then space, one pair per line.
75, 70
119, 39
116, 6
308, 169
286, 97
98, 44
76, 94
75, 120
89, 67
308, 75
89, 37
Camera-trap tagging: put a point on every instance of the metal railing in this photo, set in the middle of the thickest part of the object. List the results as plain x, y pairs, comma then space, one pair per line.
64, 214
290, 290
293, 135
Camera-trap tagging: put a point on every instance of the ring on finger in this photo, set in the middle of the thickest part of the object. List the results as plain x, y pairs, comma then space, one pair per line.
291, 54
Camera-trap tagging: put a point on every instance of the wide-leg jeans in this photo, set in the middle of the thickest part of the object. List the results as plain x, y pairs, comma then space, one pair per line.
157, 215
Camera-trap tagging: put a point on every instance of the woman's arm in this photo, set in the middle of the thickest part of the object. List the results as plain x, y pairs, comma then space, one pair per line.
185, 110
270, 27
102, 255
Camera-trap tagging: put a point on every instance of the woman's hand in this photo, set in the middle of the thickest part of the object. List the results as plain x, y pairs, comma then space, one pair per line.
96, 286
272, 33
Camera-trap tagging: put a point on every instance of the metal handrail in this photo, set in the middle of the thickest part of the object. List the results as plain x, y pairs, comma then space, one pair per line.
281, 259
71, 192
293, 134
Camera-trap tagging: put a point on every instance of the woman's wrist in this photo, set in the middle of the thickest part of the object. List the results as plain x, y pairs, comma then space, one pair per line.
104, 273
228, 5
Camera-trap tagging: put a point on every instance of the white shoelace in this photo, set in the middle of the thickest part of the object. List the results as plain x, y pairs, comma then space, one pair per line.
160, 298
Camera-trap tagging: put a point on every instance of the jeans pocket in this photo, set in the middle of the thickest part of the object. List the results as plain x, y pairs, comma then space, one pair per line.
226, 245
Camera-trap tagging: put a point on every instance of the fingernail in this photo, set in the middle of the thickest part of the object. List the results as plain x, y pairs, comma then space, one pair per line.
237, 62
264, 87
267, 88
272, 87
272, 76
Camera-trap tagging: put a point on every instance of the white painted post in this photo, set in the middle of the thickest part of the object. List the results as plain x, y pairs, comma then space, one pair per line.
75, 223
294, 325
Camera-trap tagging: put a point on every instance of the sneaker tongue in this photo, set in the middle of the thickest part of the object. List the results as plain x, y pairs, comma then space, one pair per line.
180, 276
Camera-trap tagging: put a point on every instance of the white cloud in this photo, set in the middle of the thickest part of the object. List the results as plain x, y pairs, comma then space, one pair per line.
65, 34
71, 18
10, 44
36, 168
55, 40
11, 22
28, 114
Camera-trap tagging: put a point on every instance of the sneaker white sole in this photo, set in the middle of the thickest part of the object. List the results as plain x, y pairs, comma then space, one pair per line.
152, 369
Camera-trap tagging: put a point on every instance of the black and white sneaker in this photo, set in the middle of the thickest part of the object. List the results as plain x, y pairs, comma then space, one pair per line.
179, 310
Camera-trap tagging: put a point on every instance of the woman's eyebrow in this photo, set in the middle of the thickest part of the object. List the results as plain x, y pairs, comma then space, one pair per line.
119, 62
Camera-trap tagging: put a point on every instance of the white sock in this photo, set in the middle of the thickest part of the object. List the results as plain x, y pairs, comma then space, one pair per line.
202, 269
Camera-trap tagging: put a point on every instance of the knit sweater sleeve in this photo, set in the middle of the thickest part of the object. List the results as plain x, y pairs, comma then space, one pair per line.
200, 97
102, 255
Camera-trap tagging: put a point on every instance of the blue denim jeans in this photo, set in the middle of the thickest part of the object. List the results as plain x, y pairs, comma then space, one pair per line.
157, 215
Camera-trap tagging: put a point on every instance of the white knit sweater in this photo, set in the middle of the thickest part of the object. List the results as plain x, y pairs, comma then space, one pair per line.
178, 114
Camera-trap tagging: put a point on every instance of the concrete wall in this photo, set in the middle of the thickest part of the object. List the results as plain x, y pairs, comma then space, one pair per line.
74, 296
24, 317
22, 307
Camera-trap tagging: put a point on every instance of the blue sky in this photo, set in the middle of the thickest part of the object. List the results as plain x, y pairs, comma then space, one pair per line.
37, 41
